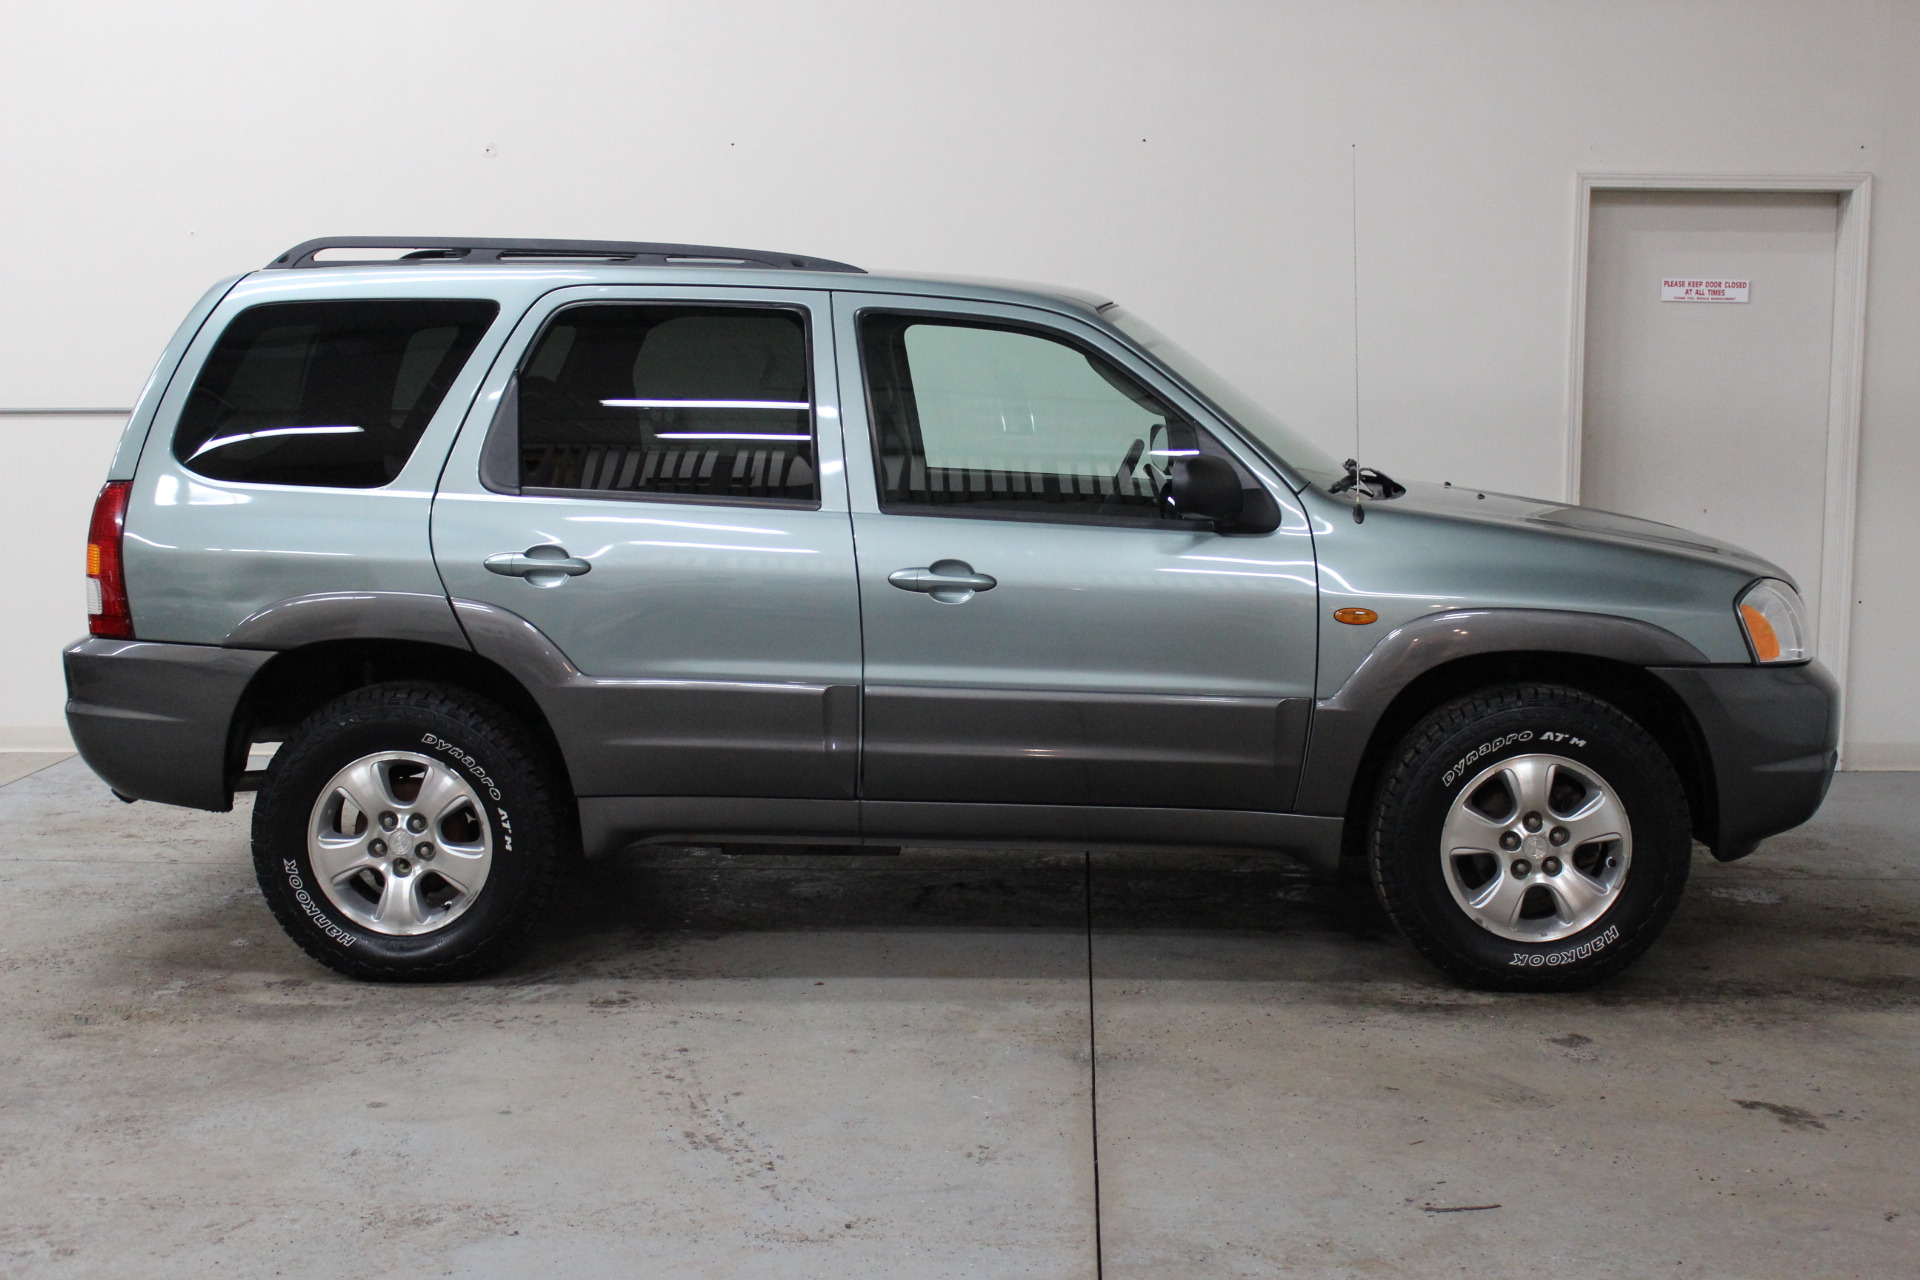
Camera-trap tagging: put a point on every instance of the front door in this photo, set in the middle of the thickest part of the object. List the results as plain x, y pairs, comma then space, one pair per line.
1039, 627
673, 518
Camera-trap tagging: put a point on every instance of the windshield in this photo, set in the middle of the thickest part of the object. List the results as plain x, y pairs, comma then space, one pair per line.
1281, 440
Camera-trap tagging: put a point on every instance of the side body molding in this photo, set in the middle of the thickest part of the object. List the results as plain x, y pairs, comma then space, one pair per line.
349, 615
655, 737
1343, 723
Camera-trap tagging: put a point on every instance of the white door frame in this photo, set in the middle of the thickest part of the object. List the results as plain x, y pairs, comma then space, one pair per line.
1855, 190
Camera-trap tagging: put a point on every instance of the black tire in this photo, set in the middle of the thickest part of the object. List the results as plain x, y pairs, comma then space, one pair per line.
1443, 755
483, 746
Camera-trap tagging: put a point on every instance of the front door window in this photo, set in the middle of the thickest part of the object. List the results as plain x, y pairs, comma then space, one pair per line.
979, 419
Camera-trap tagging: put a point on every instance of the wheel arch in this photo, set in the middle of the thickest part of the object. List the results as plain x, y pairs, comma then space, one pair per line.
297, 681
1424, 664
1651, 703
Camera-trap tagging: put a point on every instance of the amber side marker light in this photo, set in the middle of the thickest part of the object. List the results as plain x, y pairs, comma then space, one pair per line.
1766, 644
1355, 617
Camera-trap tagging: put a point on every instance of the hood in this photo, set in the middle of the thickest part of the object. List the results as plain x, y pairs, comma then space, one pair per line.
1483, 506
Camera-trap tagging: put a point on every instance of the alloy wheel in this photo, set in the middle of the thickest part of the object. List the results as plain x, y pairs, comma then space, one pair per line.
400, 843
1536, 848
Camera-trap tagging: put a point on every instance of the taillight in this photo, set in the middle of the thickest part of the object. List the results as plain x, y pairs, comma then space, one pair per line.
108, 613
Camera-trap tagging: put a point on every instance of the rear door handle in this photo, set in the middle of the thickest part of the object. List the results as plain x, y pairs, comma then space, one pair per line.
544, 566
948, 581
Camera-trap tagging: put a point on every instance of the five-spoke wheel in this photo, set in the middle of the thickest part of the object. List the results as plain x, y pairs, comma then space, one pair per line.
410, 831
400, 843
1529, 837
1536, 847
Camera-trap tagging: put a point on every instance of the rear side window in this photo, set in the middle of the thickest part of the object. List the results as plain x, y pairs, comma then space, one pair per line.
331, 394
699, 402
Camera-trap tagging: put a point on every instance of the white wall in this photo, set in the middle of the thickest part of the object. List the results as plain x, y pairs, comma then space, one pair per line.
50, 470
1190, 159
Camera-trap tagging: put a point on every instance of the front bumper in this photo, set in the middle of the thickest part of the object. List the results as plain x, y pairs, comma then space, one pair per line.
155, 720
1772, 736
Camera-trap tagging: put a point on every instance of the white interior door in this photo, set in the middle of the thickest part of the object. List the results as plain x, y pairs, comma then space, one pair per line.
1713, 415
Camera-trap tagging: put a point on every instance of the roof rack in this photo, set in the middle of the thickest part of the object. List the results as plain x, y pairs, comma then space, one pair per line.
430, 249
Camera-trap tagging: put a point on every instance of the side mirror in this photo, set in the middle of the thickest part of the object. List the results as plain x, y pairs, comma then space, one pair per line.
1209, 488
1206, 487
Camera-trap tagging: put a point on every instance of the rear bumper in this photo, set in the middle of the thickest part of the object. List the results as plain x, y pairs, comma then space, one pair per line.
155, 720
1772, 734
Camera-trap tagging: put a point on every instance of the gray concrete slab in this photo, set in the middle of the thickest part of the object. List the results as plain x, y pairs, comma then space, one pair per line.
15, 765
710, 1067
1285, 1090
715, 1066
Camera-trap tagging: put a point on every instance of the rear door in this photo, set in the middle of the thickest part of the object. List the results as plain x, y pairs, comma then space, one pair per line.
673, 518
1038, 628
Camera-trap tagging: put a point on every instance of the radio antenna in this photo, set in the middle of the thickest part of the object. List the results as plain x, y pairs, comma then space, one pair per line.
1354, 479
1353, 208
1359, 480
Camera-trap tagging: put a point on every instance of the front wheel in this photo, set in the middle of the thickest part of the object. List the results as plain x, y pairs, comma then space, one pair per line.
1530, 838
408, 832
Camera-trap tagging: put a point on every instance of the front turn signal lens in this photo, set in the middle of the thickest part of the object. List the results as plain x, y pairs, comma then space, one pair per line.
1356, 617
1775, 622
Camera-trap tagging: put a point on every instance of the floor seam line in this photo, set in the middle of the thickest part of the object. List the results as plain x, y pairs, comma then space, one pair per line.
1093, 1078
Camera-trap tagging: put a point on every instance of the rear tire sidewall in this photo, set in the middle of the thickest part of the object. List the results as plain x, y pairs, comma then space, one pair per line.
509, 797
1407, 836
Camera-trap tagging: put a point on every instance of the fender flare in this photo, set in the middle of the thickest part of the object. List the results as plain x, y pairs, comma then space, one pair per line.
350, 615
1344, 724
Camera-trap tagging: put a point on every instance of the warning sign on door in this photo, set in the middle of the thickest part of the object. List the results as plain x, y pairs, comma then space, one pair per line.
1679, 290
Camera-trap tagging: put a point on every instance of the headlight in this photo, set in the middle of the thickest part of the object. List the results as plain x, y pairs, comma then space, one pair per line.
1775, 622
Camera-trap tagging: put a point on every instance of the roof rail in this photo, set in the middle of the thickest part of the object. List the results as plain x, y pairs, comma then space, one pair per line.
430, 249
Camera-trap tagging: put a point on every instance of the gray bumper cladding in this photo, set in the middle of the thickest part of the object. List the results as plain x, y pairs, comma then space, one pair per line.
153, 719
1771, 733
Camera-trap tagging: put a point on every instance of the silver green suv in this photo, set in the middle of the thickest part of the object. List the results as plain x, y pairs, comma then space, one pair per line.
523, 549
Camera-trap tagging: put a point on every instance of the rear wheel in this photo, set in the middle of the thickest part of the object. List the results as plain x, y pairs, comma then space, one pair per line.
1530, 838
408, 832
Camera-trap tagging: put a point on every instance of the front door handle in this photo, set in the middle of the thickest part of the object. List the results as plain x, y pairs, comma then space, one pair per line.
948, 581
543, 566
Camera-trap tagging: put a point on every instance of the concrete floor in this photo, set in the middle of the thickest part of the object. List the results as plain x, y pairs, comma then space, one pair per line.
718, 1066
15, 765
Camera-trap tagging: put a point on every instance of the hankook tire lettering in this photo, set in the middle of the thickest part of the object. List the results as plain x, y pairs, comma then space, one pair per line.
1534, 960
307, 905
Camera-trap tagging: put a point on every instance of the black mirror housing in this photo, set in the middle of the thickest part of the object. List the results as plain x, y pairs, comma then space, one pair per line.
1206, 487
1209, 488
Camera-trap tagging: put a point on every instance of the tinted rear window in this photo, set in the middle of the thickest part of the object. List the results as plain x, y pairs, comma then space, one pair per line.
698, 402
329, 394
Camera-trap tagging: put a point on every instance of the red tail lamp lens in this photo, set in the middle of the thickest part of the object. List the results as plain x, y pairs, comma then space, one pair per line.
108, 613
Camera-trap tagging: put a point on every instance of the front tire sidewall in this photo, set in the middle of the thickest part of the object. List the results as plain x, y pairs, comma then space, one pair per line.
1410, 866
286, 874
